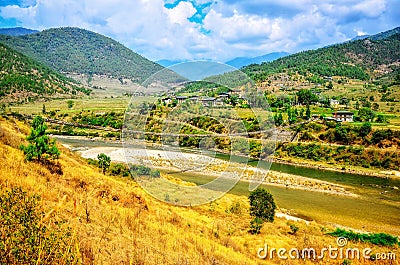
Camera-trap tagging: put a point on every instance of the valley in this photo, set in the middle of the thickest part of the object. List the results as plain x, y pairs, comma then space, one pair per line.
148, 169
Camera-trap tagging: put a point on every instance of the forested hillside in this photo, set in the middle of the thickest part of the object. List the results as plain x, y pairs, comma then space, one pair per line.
74, 50
373, 57
21, 79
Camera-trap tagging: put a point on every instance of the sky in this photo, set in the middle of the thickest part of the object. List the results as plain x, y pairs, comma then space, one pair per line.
217, 30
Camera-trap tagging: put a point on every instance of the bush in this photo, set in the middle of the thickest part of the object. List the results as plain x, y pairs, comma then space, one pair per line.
380, 239
293, 229
145, 171
262, 205
119, 170
24, 239
255, 226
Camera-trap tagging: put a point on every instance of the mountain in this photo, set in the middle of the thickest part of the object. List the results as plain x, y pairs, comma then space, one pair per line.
360, 37
362, 59
168, 63
17, 31
244, 61
22, 79
75, 50
385, 35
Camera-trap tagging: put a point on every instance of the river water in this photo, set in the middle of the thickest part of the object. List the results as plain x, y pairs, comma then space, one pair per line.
376, 209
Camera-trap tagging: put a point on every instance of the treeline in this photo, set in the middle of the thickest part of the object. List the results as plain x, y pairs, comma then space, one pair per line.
108, 119
346, 155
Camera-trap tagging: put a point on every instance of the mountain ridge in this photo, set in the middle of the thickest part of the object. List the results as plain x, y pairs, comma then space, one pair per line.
362, 59
17, 31
239, 62
75, 50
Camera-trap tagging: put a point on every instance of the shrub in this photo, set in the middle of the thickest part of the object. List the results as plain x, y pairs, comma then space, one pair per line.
293, 229
380, 239
255, 226
24, 239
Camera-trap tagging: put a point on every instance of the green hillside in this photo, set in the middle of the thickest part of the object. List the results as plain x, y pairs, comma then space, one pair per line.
74, 50
373, 57
22, 79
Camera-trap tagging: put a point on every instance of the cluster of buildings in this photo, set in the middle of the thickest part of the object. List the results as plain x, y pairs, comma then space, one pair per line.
220, 100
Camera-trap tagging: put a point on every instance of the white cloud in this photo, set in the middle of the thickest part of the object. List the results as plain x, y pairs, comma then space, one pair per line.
231, 27
181, 13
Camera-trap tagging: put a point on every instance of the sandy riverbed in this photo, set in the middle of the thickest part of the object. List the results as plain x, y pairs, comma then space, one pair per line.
202, 164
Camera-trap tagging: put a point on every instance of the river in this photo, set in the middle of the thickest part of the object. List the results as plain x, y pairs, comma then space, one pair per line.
376, 209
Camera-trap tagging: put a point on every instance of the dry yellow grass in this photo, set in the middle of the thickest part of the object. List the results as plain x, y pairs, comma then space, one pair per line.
116, 222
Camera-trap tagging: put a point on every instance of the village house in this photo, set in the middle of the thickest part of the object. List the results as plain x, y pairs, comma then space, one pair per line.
194, 99
208, 102
343, 115
180, 99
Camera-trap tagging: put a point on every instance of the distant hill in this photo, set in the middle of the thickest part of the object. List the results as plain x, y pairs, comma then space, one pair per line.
385, 35
244, 61
22, 79
74, 50
362, 59
167, 63
360, 37
17, 31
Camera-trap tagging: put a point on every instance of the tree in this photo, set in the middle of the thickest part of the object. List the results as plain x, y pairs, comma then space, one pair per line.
341, 134
262, 205
40, 145
44, 109
70, 104
278, 118
104, 162
381, 119
366, 114
365, 129
305, 96
397, 77
308, 112
292, 117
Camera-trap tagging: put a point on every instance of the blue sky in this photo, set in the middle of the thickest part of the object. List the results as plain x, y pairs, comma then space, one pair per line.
216, 30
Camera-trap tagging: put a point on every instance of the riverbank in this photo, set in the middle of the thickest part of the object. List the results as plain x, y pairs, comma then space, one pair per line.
282, 160
339, 168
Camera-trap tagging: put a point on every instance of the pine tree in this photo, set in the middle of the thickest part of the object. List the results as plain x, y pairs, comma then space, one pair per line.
40, 145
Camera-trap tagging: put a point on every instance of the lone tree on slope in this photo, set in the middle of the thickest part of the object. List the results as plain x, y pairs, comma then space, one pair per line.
104, 162
41, 146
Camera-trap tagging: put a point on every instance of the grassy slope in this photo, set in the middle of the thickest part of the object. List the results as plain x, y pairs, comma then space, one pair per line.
77, 50
128, 226
22, 78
